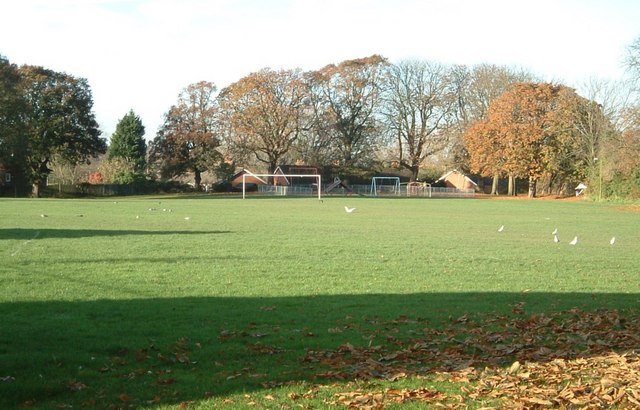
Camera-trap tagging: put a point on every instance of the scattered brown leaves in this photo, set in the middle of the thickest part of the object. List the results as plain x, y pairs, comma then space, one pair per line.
167, 381
572, 359
360, 399
75, 385
262, 348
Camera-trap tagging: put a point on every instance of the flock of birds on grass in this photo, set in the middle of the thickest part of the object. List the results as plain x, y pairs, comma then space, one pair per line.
186, 218
574, 241
349, 210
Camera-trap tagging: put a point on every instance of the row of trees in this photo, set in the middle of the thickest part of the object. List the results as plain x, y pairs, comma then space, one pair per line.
352, 115
47, 122
489, 120
355, 115
537, 130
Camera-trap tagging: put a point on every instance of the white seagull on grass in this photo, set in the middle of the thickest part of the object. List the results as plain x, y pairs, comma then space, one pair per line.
574, 240
349, 210
555, 231
555, 239
501, 228
612, 241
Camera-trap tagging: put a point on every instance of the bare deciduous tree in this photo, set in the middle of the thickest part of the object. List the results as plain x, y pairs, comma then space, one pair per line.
347, 100
419, 105
633, 62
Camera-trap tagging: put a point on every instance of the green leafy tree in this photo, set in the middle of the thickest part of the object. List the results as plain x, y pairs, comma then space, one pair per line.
12, 104
58, 120
188, 139
128, 143
225, 171
118, 170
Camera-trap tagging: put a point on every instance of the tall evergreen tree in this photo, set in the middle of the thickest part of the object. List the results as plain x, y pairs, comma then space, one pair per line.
128, 142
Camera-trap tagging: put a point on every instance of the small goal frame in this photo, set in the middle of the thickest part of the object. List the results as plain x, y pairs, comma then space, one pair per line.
317, 177
418, 189
374, 184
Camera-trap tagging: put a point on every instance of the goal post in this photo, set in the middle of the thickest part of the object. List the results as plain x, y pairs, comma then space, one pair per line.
288, 177
395, 184
418, 189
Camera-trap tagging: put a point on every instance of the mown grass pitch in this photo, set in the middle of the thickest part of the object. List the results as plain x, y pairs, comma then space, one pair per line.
169, 301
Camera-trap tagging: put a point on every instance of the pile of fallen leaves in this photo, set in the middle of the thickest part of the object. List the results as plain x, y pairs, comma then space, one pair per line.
571, 359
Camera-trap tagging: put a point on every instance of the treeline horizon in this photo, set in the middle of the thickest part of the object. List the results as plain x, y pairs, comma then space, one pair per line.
364, 114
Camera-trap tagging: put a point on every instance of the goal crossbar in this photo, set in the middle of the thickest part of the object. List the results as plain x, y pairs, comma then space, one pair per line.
395, 184
317, 177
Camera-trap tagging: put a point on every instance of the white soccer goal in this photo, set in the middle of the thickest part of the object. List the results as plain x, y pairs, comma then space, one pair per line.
418, 189
391, 187
284, 188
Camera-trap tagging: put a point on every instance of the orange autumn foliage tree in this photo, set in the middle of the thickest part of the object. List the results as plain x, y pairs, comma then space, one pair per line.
525, 132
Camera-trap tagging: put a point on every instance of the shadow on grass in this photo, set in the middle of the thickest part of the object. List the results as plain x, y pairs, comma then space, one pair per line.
135, 353
26, 234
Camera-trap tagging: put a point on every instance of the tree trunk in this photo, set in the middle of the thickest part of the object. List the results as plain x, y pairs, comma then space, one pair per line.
511, 191
494, 184
273, 164
43, 172
35, 189
198, 179
414, 173
481, 183
532, 187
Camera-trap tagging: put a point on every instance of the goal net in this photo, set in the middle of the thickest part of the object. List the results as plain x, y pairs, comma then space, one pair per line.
286, 184
385, 186
419, 189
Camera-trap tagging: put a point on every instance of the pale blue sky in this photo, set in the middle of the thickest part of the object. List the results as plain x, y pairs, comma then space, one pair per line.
139, 54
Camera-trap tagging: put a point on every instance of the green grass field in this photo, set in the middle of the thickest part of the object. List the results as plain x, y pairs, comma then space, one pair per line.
126, 303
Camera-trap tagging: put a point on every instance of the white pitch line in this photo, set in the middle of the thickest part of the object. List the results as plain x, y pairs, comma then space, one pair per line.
23, 244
